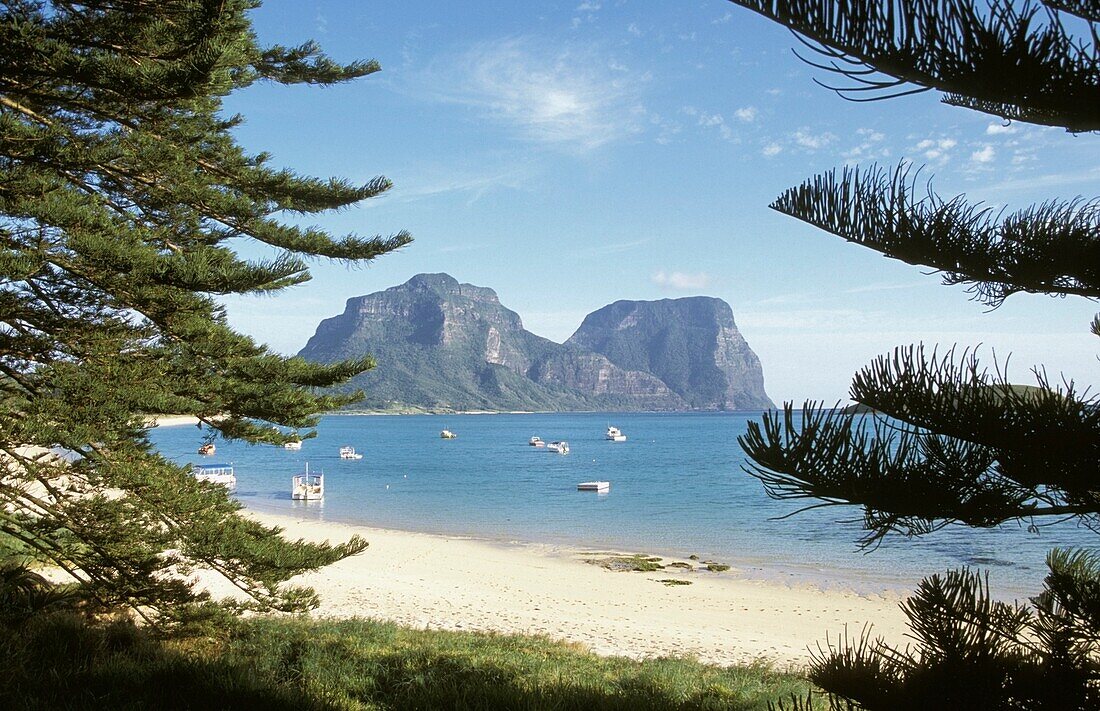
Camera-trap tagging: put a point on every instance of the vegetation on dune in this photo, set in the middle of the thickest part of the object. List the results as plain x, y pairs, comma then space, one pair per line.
58, 661
936, 439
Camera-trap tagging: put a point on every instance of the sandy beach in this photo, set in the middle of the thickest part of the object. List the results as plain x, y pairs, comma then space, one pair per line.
445, 582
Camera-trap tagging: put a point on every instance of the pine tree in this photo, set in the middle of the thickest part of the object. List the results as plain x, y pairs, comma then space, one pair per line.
950, 442
122, 196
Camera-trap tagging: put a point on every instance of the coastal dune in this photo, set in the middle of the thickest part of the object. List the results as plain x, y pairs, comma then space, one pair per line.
452, 583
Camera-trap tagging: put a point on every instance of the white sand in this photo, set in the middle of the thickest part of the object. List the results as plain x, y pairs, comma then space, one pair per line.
444, 582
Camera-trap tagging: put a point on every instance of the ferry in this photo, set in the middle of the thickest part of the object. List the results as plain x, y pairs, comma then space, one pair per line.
215, 474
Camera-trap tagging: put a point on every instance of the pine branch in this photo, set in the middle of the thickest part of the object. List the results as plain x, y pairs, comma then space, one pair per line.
1000, 59
1045, 440
1053, 248
1085, 9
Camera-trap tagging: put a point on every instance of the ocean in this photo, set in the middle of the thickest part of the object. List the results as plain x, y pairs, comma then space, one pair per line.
677, 488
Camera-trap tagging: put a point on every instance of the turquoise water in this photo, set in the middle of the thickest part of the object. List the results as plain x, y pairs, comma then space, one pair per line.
677, 488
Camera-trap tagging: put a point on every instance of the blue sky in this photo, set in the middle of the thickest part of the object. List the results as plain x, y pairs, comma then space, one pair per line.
568, 155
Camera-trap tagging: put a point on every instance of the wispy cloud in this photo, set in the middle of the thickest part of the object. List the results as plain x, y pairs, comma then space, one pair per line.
813, 141
613, 248
681, 281
746, 114
564, 96
446, 180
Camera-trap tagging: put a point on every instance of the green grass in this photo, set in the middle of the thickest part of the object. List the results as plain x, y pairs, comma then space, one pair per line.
59, 662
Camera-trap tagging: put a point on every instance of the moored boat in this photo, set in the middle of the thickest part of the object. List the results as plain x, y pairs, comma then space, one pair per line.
207, 449
349, 453
559, 447
614, 434
215, 474
447, 434
536, 442
295, 445
601, 487
307, 486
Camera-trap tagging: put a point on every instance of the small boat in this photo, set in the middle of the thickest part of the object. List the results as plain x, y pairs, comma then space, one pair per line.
601, 487
447, 434
307, 486
207, 449
559, 447
349, 453
615, 435
536, 442
295, 445
215, 474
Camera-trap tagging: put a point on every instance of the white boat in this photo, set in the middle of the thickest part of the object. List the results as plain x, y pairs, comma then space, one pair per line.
447, 434
536, 442
207, 449
307, 486
215, 474
601, 487
615, 435
559, 447
349, 453
295, 445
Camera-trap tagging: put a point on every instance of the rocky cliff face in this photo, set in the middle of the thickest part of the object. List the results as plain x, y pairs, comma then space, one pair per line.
691, 344
443, 345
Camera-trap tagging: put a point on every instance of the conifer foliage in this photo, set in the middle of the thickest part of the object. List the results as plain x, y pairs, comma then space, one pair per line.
122, 197
949, 441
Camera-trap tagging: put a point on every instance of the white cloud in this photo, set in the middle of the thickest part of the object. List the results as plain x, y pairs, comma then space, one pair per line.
985, 155
682, 281
723, 19
588, 6
811, 141
772, 149
937, 149
633, 29
746, 114
996, 129
560, 95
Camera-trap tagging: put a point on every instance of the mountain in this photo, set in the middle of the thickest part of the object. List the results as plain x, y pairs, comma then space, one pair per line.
442, 345
691, 344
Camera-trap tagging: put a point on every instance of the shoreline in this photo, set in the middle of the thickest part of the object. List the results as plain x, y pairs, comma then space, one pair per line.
458, 583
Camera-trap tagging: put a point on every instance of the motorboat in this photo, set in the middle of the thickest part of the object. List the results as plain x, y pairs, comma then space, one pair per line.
614, 434
349, 453
601, 487
295, 445
307, 486
559, 447
207, 449
215, 474
447, 434
536, 442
